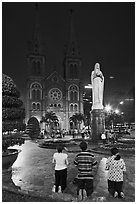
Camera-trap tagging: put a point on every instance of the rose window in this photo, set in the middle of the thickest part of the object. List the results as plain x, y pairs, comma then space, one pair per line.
55, 94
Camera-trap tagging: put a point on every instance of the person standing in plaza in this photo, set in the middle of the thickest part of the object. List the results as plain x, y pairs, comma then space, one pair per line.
109, 136
84, 162
83, 133
115, 166
60, 160
103, 137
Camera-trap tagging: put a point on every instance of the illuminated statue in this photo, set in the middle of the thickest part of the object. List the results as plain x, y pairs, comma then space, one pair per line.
97, 82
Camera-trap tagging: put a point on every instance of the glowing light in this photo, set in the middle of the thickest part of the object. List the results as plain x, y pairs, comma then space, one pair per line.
108, 108
111, 77
116, 111
89, 86
121, 102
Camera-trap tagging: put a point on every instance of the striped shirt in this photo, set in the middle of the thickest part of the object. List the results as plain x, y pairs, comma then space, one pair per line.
85, 161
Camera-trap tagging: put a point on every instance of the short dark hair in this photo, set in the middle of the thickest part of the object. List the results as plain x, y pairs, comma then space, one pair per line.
60, 148
114, 151
83, 145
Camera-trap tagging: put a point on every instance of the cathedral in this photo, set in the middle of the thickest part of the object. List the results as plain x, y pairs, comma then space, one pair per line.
61, 94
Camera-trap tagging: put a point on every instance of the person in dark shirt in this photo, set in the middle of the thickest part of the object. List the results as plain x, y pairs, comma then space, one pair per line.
84, 162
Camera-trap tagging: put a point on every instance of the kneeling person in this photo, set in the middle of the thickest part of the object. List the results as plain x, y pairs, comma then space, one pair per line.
84, 162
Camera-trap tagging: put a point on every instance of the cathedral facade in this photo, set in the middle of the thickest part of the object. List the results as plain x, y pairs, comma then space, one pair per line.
61, 94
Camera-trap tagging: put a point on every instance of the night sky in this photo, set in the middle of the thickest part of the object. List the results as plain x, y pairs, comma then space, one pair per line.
105, 33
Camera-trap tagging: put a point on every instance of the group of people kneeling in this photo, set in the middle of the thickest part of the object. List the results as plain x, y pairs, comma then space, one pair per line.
85, 162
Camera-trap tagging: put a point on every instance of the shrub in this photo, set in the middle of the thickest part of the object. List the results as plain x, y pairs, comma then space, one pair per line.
13, 113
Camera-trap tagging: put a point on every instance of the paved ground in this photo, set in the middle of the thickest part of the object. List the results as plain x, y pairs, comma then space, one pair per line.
33, 174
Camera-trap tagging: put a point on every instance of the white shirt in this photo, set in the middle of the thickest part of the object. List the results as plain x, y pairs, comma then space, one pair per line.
60, 160
103, 136
115, 169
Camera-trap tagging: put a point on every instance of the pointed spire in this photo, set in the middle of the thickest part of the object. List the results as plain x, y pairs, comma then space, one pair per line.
36, 31
72, 50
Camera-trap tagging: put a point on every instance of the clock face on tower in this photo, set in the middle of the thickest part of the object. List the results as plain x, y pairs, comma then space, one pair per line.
55, 94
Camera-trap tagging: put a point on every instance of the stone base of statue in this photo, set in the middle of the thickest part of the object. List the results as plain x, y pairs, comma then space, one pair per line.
97, 124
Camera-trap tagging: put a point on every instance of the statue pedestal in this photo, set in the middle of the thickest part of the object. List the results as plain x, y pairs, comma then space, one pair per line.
97, 124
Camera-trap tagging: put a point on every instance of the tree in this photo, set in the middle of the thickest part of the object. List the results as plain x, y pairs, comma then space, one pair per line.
77, 119
113, 119
51, 120
13, 113
33, 128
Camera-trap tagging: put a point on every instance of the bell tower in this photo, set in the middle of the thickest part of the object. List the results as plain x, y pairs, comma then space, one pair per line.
36, 60
72, 61
72, 66
36, 68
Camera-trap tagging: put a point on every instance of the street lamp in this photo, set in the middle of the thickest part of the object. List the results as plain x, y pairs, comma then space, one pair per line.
89, 86
117, 111
121, 102
108, 108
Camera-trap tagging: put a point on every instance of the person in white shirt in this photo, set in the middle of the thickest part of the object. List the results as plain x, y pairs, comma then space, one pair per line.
103, 137
115, 166
60, 160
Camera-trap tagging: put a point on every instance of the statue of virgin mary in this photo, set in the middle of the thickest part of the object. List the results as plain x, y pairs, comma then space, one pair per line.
97, 82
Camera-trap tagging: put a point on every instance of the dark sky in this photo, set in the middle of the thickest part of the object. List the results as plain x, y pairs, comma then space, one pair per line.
105, 33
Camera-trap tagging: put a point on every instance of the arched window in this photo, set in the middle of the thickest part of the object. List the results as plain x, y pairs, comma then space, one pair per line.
73, 93
36, 91
38, 68
38, 106
71, 107
75, 70
33, 94
33, 106
38, 94
33, 67
71, 70
36, 85
59, 105
75, 107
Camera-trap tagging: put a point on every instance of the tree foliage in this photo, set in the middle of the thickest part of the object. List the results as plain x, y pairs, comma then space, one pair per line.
50, 118
77, 119
51, 121
13, 113
113, 118
33, 128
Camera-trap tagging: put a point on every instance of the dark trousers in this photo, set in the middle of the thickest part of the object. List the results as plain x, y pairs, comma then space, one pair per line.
86, 184
82, 134
115, 186
61, 179
104, 141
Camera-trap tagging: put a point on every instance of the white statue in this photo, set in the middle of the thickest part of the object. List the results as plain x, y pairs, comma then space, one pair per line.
97, 82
